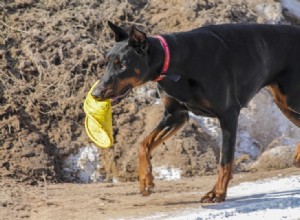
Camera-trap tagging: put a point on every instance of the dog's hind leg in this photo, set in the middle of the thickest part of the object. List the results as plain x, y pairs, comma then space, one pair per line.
281, 100
293, 115
228, 122
297, 156
174, 118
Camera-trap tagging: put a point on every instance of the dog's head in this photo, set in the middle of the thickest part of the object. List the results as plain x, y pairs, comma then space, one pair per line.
127, 65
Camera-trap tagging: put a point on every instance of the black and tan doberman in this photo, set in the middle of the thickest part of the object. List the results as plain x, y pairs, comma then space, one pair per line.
211, 71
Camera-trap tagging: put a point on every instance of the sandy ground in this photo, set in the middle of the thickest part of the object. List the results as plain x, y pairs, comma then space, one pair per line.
111, 200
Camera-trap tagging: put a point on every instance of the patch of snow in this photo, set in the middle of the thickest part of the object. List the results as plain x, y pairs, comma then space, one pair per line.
166, 173
293, 6
265, 199
114, 180
146, 91
84, 165
271, 12
247, 145
209, 125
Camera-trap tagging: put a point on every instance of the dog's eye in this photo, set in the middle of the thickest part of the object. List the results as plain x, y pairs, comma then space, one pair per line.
121, 65
117, 61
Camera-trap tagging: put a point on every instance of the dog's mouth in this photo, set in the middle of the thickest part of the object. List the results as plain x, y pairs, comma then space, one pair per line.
116, 99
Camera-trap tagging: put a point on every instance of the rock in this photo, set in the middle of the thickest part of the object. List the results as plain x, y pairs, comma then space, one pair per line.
282, 141
279, 157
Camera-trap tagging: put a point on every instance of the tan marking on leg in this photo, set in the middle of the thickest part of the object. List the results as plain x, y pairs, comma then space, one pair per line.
218, 193
146, 148
224, 176
166, 100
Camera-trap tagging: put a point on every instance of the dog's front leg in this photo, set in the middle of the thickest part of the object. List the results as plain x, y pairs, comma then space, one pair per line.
228, 124
171, 123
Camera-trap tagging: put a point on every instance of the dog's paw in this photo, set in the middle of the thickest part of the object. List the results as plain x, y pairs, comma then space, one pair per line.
147, 190
297, 156
213, 197
147, 185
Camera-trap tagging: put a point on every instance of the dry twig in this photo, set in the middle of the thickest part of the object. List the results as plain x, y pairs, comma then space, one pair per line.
12, 28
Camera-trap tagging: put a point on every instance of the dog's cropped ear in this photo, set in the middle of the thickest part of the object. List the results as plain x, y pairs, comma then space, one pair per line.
138, 40
120, 34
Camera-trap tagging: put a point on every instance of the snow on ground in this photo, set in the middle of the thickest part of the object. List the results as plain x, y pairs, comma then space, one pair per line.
293, 6
166, 173
265, 199
84, 165
271, 12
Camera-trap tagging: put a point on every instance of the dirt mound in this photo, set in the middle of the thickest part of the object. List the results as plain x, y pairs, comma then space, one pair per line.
51, 52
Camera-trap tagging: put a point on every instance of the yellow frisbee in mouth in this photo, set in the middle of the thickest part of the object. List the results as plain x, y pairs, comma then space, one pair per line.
98, 120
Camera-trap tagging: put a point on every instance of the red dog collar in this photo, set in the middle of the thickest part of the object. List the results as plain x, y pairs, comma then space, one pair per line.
164, 44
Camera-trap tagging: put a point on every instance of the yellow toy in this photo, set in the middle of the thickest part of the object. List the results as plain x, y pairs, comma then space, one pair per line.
98, 121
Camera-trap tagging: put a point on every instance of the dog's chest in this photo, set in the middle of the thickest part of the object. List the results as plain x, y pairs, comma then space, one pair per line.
177, 91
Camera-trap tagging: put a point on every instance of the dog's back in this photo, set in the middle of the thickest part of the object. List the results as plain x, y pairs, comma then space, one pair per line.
246, 56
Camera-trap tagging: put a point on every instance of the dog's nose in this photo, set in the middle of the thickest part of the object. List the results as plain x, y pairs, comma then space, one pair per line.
96, 93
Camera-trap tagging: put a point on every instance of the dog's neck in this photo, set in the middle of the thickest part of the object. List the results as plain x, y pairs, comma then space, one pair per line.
166, 63
161, 61
156, 58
